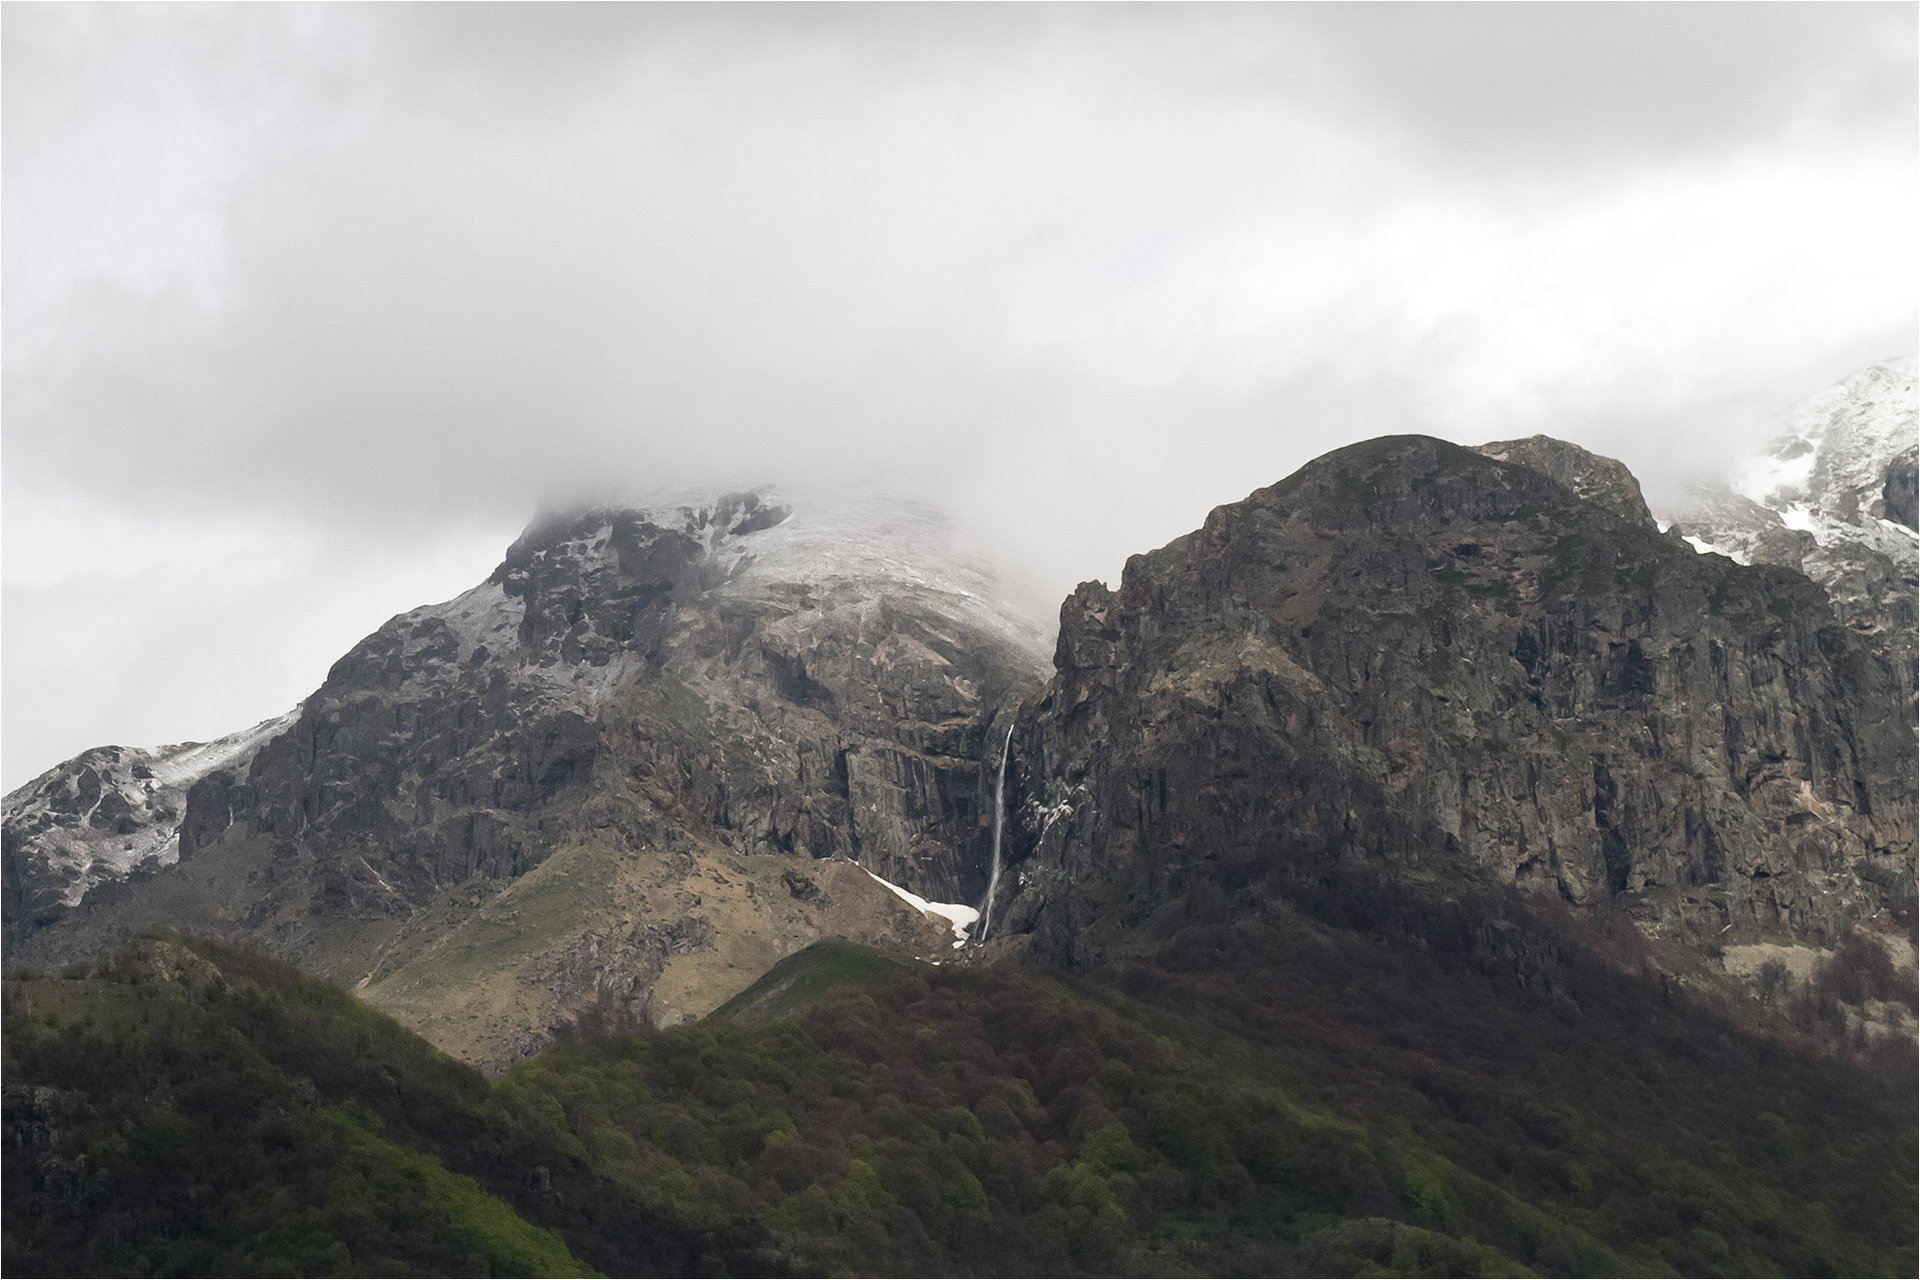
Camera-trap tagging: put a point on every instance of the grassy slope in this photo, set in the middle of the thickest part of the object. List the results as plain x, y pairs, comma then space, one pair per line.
802, 979
159, 1137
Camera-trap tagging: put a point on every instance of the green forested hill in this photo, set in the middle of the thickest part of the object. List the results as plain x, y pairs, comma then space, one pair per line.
188, 1108
1328, 1103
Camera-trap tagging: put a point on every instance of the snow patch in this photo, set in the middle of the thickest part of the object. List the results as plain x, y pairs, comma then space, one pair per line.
1782, 475
859, 552
959, 916
182, 765
485, 616
1797, 515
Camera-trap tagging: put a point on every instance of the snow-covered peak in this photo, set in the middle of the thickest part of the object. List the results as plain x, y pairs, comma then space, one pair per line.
811, 551
1825, 471
109, 810
1836, 437
857, 551
1826, 480
1832, 494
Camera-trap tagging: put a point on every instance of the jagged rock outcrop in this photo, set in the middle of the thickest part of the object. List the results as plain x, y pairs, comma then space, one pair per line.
1834, 496
711, 692
1412, 663
1590, 476
108, 814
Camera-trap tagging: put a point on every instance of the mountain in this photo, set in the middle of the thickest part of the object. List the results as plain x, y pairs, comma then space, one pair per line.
1419, 674
654, 752
1476, 694
1430, 865
1833, 494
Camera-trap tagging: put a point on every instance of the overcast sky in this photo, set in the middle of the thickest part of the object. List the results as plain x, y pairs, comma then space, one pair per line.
308, 309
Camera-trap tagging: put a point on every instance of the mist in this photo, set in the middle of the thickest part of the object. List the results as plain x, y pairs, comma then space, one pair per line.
309, 309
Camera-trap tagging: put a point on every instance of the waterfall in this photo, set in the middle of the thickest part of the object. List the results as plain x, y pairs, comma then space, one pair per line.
999, 820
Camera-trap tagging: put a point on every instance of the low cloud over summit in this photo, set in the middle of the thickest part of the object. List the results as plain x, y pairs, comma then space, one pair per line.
315, 307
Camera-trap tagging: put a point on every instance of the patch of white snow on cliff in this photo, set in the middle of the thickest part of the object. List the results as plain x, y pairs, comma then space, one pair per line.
1824, 471
961, 917
862, 552
186, 763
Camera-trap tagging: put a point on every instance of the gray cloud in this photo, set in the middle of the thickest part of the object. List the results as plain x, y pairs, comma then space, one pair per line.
366, 278
1565, 85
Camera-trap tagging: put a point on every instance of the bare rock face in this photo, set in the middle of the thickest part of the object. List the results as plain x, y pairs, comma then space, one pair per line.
1900, 489
1414, 663
1590, 476
732, 689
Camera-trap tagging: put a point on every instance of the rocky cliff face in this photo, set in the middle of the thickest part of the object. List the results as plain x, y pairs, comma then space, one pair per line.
1420, 664
1833, 496
1600, 480
703, 709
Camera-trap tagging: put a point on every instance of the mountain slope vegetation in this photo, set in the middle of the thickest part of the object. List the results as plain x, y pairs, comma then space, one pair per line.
190, 1108
1335, 1101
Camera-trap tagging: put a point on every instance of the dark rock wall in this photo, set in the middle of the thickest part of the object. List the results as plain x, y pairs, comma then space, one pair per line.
1602, 480
1900, 492
1411, 662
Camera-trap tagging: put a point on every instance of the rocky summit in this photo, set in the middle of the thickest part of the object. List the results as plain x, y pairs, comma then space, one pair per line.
653, 753
1431, 667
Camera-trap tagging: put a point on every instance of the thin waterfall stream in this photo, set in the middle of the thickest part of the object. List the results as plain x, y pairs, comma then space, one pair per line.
999, 820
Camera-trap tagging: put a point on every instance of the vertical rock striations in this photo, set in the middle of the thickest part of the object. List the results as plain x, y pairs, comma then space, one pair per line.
1413, 663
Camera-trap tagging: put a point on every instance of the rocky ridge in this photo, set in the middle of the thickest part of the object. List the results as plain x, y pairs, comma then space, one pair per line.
107, 814
1420, 666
